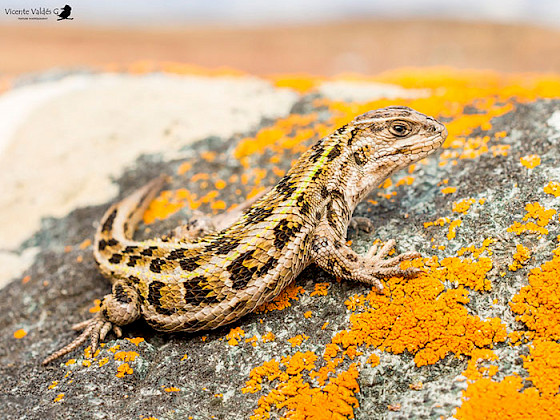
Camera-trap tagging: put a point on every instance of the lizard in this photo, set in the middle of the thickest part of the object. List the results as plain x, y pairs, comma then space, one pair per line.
211, 273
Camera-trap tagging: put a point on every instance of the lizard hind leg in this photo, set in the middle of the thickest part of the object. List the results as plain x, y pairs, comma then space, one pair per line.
121, 307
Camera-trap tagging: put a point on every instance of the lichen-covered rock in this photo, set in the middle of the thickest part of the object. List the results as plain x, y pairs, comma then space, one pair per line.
475, 336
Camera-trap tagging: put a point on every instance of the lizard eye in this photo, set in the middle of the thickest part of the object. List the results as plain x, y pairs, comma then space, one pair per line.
399, 128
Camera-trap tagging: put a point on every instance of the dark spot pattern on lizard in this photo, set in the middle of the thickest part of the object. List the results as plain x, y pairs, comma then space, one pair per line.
121, 295
284, 231
108, 224
190, 264
195, 294
154, 298
133, 260
115, 258
240, 274
156, 265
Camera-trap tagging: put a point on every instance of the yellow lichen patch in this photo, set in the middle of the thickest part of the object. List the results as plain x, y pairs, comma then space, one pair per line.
103, 361
20, 333
234, 335
537, 304
282, 301
536, 212
422, 317
477, 251
467, 272
321, 289
136, 340
543, 365
296, 396
448, 190
297, 340
252, 340
289, 129
463, 206
269, 336
453, 229
530, 161
53, 385
307, 314
301, 83
438, 222
184, 168
162, 207
126, 356
373, 360
123, 370
171, 389
96, 306
500, 149
407, 180
553, 188
520, 257
510, 398
59, 398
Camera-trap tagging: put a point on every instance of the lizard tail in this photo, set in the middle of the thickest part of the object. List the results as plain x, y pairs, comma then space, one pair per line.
119, 222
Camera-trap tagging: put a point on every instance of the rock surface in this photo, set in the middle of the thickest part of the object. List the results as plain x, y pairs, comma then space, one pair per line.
148, 374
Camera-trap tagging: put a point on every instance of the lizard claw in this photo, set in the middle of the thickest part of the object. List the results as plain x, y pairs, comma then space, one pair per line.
95, 329
391, 266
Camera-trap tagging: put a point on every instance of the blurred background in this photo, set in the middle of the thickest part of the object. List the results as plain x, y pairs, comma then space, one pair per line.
318, 37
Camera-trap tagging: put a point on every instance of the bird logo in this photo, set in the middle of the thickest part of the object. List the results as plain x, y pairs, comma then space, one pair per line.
65, 13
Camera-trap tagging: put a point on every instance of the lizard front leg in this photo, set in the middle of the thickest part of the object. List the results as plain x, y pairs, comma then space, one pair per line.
334, 256
119, 308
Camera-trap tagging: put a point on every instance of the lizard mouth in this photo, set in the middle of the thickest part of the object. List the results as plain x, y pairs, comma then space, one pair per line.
423, 148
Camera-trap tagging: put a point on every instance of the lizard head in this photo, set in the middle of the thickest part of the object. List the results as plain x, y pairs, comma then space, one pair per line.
394, 137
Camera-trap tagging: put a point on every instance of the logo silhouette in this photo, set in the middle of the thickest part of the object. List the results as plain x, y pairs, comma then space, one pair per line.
65, 14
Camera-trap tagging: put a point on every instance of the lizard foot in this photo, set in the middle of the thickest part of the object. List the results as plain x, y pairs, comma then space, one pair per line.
121, 307
95, 329
389, 267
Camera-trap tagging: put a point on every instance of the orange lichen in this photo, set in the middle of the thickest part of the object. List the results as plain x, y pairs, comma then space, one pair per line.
373, 360
510, 398
282, 300
58, 398
530, 161
269, 336
299, 398
424, 318
252, 340
537, 212
543, 365
537, 304
463, 206
307, 314
477, 251
301, 83
553, 188
235, 335
126, 356
321, 289
520, 258
136, 340
171, 389
18, 334
297, 340
123, 370
448, 190
453, 229
162, 207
